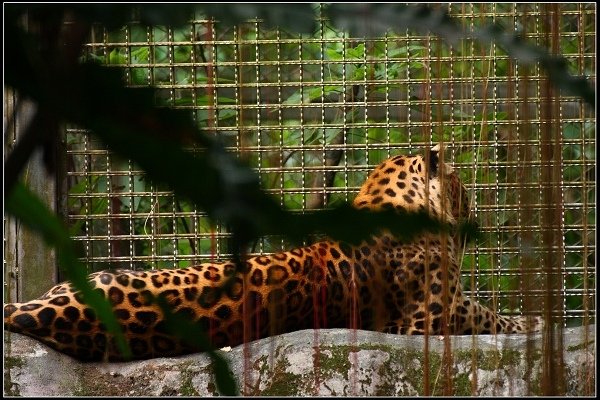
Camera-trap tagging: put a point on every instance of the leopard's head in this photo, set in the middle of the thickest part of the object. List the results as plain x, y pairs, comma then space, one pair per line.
416, 183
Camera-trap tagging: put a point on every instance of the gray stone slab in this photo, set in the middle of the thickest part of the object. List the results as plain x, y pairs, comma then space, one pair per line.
328, 362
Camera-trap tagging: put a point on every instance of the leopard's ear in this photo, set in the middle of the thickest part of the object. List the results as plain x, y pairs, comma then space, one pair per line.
434, 162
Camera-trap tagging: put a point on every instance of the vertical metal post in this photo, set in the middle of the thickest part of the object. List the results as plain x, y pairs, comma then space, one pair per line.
29, 264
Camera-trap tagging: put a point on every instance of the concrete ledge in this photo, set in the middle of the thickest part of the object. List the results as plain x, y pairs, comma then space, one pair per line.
344, 363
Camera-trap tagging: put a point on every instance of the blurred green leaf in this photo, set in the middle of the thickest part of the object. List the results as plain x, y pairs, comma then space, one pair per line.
357, 52
115, 57
334, 54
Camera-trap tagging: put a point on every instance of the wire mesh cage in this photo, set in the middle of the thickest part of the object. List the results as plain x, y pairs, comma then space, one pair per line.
313, 114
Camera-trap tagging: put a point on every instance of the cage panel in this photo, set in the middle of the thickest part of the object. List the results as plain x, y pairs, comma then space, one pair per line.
312, 115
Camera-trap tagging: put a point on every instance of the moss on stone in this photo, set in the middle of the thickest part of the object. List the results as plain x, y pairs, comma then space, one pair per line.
10, 388
338, 361
283, 383
463, 385
187, 387
580, 346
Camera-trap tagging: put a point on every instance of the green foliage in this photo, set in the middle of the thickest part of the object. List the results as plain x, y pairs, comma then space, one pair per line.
426, 19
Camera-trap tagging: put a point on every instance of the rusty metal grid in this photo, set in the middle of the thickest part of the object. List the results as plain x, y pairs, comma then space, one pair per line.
292, 105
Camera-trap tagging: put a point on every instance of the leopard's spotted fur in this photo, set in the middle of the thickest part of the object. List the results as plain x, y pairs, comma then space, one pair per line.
383, 284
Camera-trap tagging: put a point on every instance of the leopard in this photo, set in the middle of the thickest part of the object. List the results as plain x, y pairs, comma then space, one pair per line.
383, 284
